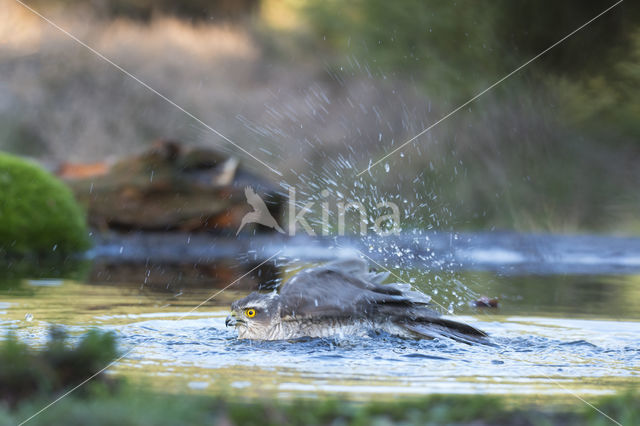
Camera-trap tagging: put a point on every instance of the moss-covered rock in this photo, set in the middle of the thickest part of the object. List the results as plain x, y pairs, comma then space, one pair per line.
38, 214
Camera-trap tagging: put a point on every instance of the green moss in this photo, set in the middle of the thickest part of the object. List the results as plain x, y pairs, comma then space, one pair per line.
38, 214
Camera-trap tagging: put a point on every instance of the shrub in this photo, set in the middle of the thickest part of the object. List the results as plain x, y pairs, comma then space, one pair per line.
38, 214
26, 372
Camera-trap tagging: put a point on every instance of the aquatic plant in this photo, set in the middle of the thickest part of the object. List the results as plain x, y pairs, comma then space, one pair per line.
38, 214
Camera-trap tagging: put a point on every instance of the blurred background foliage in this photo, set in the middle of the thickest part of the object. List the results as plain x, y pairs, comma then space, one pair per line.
145, 9
554, 148
455, 49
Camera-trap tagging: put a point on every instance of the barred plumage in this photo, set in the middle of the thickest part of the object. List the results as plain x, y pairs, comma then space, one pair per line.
343, 298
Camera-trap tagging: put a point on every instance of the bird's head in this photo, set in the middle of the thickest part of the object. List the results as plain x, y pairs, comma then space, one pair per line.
255, 315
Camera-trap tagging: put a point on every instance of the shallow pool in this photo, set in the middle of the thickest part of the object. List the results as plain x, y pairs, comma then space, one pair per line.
552, 335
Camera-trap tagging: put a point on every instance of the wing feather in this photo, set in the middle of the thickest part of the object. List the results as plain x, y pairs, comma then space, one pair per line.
446, 328
327, 291
347, 290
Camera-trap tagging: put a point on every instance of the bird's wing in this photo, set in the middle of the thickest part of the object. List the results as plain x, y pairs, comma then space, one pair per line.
254, 200
439, 327
357, 267
341, 290
345, 290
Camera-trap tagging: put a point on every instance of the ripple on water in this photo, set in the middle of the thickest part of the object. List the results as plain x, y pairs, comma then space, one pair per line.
528, 361
529, 355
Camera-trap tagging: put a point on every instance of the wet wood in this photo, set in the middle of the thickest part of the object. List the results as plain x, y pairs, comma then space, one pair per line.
169, 187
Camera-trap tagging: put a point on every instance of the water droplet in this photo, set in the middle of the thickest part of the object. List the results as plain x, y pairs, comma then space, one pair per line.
28, 317
386, 167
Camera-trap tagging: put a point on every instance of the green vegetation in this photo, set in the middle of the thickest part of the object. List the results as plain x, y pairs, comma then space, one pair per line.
607, 101
451, 47
124, 407
159, 409
25, 372
554, 148
31, 379
38, 214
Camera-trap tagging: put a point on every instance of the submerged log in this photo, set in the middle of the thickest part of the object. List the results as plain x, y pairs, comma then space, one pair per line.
168, 187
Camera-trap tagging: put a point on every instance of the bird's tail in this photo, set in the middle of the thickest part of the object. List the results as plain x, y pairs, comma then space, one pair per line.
436, 327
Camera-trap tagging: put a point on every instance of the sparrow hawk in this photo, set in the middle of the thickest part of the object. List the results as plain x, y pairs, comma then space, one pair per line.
343, 298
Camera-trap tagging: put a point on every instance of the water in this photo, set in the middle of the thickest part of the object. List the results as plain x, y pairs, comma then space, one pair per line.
553, 334
532, 355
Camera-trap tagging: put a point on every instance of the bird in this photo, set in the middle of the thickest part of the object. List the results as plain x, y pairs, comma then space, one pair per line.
260, 213
343, 298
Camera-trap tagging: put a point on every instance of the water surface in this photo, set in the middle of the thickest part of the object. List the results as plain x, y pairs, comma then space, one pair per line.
553, 334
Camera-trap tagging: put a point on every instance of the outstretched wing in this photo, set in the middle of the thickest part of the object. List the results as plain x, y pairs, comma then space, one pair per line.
347, 290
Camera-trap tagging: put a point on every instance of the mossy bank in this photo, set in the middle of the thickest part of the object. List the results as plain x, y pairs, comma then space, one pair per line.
38, 213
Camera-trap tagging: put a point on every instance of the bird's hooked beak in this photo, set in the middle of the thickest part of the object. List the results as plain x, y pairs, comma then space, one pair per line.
231, 320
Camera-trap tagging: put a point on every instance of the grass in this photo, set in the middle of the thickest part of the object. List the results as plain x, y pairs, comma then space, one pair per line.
135, 406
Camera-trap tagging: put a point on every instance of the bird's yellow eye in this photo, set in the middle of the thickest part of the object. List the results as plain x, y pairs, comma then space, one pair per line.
250, 313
